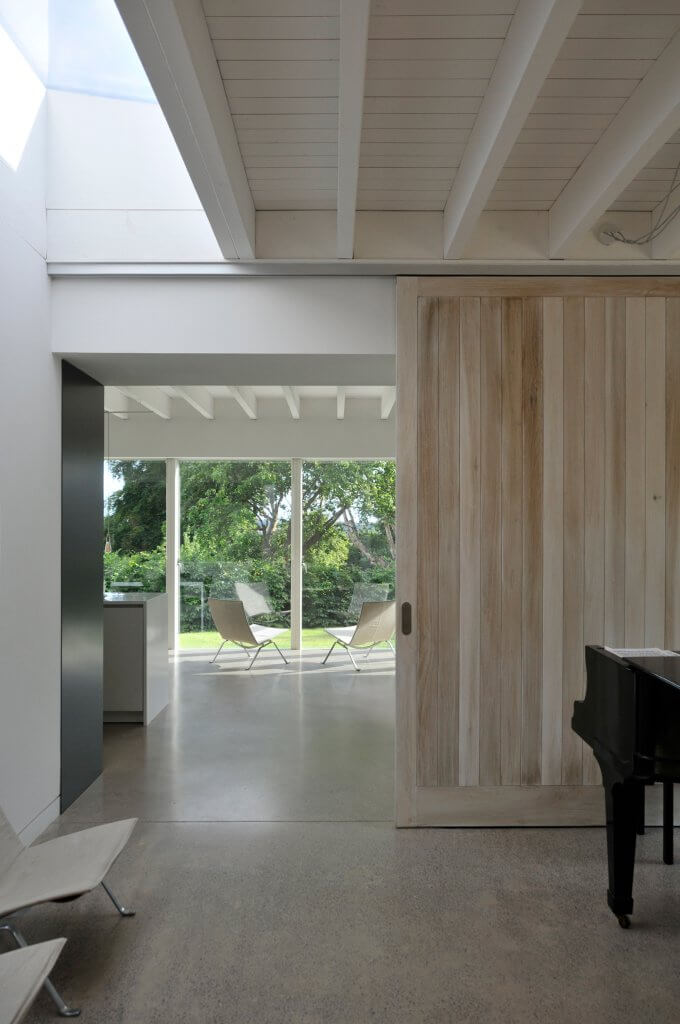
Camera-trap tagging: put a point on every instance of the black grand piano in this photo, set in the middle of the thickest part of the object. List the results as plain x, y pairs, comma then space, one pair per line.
631, 718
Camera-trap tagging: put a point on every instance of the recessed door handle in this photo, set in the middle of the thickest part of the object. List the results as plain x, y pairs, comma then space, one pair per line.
406, 617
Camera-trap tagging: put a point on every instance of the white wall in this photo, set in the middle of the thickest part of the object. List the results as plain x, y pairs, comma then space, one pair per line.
118, 188
30, 499
263, 315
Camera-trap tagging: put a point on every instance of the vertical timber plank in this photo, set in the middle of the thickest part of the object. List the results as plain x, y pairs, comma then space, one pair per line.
468, 765
635, 473
655, 471
490, 653
673, 473
532, 540
511, 532
427, 621
553, 561
449, 542
615, 471
593, 597
407, 551
574, 522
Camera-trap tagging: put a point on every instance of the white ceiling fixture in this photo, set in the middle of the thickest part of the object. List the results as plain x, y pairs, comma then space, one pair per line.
293, 401
152, 399
534, 38
116, 403
172, 39
342, 395
199, 399
246, 399
354, 17
644, 123
387, 400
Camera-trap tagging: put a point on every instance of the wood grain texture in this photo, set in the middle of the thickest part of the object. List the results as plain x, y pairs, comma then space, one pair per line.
490, 723
673, 473
574, 519
470, 536
526, 287
407, 547
655, 471
532, 540
511, 533
553, 532
615, 471
539, 468
427, 621
593, 596
635, 473
449, 543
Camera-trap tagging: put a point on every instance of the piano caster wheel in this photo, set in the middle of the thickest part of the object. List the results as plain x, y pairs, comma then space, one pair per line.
624, 920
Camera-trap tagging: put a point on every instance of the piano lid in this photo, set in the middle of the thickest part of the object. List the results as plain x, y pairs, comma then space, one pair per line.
664, 666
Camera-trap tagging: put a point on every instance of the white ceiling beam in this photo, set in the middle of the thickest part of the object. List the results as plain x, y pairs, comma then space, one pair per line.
342, 395
199, 399
173, 42
387, 400
536, 34
116, 403
246, 399
292, 400
645, 122
354, 18
152, 399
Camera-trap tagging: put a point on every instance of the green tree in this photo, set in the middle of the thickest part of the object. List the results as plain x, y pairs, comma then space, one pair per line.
136, 513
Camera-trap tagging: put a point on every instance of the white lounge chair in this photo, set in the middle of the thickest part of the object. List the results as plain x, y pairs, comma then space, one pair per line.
376, 625
22, 974
60, 869
232, 624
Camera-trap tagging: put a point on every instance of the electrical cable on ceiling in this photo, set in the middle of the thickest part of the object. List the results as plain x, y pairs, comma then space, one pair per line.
662, 220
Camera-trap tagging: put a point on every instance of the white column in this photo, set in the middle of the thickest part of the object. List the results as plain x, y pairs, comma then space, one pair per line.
172, 542
296, 555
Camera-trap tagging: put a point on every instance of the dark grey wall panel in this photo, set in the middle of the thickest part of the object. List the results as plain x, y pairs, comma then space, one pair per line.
81, 582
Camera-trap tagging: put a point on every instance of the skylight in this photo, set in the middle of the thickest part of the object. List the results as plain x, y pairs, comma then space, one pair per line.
21, 93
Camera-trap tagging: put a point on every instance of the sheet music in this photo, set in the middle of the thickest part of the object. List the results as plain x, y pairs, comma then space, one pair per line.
641, 652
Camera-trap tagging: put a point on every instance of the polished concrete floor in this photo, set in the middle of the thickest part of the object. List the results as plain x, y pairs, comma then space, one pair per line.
270, 885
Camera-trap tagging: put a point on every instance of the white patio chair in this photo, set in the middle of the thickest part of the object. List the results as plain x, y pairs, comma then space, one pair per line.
232, 624
22, 974
376, 625
61, 869
256, 599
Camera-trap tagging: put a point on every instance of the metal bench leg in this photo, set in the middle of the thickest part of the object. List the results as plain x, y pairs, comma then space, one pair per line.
255, 658
352, 659
280, 651
62, 1007
213, 660
123, 911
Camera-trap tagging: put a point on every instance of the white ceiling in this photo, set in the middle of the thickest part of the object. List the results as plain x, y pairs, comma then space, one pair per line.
453, 106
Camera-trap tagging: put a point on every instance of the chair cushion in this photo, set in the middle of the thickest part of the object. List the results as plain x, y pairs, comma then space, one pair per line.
67, 866
344, 633
22, 973
262, 633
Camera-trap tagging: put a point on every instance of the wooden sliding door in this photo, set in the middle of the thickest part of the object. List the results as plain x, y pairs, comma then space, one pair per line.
538, 461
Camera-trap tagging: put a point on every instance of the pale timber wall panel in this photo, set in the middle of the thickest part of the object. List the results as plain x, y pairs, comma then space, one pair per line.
541, 439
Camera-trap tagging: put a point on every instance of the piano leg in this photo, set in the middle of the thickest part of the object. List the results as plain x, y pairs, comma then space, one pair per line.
668, 822
622, 800
641, 812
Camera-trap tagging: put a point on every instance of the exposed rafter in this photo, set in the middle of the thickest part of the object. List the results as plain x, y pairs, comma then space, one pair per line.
389, 397
534, 38
173, 42
645, 122
199, 399
246, 399
153, 399
293, 401
342, 395
354, 18
116, 403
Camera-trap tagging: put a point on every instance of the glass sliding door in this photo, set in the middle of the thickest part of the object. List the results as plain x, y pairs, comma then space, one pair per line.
235, 544
134, 525
348, 542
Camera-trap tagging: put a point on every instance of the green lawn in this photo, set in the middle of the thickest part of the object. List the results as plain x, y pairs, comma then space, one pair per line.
311, 638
